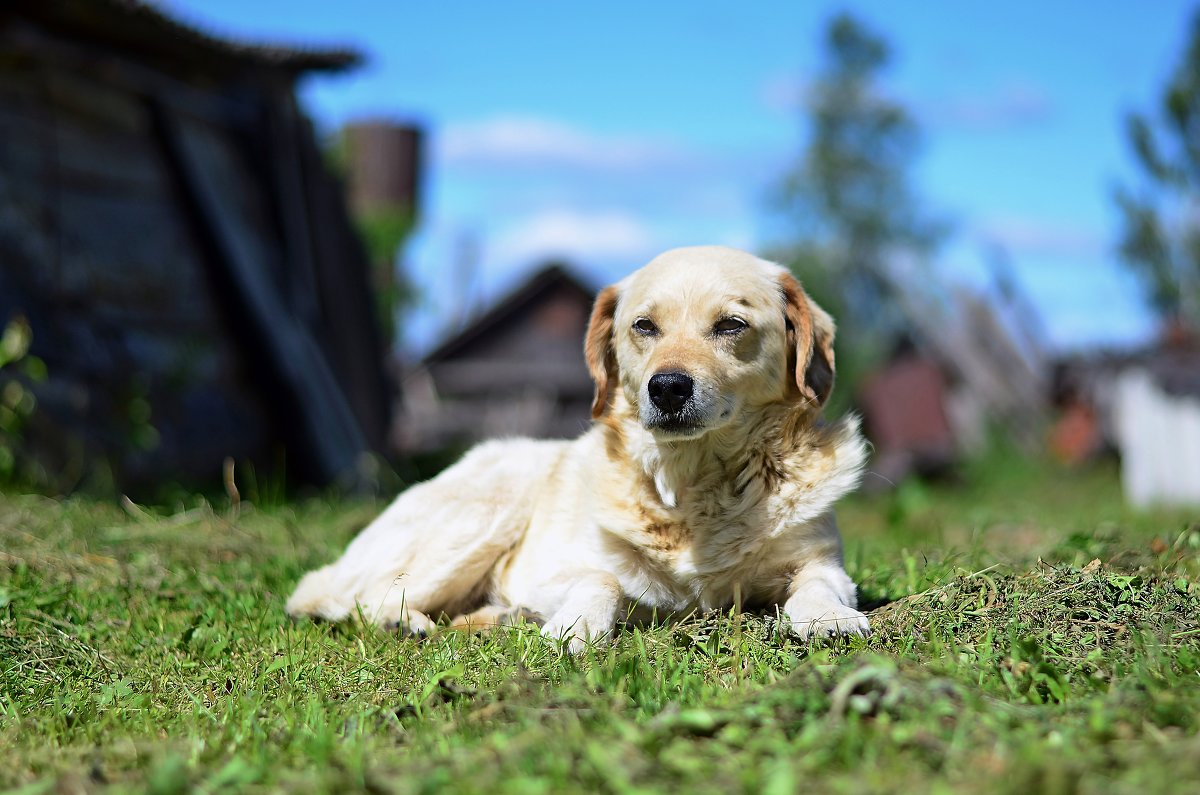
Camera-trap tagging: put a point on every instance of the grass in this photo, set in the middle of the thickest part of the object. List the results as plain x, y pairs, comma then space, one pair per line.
1031, 635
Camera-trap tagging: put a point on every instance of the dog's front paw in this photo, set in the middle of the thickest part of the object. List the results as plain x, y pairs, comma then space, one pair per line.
578, 632
410, 622
577, 636
828, 619
575, 643
588, 614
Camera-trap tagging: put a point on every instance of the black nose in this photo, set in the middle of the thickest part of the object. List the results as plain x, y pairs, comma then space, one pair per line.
670, 391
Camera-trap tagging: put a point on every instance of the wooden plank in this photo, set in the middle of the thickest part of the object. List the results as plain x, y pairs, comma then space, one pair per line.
129, 252
507, 376
282, 156
28, 239
27, 156
328, 429
350, 330
239, 183
91, 102
108, 160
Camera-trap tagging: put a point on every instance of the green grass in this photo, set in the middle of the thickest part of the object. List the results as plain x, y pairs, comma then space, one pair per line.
150, 652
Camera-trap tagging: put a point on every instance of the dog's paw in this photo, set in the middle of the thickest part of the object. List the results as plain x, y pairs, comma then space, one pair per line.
576, 636
413, 622
828, 619
574, 643
574, 640
588, 614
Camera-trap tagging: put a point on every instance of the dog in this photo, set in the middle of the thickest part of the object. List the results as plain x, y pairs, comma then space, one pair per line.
706, 480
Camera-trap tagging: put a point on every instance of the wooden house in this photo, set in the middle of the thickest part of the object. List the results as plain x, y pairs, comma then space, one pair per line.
182, 256
518, 369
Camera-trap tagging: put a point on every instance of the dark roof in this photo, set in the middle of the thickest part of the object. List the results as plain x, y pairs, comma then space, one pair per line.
139, 26
520, 299
1176, 369
1173, 362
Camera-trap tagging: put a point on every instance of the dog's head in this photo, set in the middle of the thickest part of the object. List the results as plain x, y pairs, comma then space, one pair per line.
702, 334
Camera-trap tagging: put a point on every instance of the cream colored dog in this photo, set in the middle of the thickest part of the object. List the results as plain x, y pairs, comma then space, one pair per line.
707, 478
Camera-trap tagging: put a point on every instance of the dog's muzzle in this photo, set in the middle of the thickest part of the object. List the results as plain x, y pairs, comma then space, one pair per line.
679, 407
674, 405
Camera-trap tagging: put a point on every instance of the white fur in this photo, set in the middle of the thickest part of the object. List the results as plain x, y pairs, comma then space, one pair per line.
628, 519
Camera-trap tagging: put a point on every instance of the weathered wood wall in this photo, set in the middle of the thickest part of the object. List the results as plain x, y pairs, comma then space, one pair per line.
519, 371
185, 263
96, 253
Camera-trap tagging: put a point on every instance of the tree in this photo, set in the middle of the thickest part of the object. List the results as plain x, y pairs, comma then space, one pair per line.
380, 163
850, 194
1160, 239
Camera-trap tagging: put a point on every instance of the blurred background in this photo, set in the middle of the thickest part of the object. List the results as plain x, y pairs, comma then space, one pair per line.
313, 243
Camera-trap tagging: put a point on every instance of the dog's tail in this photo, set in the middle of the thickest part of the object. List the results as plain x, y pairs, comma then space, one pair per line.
316, 597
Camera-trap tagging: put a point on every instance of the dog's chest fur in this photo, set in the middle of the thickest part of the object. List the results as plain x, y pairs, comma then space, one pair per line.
702, 522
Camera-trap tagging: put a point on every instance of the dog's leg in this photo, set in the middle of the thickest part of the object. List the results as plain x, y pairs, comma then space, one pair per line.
822, 600
433, 549
492, 616
408, 600
589, 604
315, 597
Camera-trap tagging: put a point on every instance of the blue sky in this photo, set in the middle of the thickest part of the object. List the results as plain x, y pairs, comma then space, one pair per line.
606, 133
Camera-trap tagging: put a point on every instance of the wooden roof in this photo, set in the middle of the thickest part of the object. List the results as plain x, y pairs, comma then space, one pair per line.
139, 27
520, 300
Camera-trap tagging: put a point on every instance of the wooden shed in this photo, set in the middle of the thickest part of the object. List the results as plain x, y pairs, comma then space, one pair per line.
517, 369
184, 260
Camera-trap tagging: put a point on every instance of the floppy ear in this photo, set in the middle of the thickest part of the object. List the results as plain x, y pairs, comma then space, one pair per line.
598, 349
810, 337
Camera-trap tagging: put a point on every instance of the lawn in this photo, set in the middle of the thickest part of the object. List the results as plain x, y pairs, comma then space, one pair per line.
1031, 635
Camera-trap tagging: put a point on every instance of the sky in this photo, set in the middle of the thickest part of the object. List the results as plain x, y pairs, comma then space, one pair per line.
605, 133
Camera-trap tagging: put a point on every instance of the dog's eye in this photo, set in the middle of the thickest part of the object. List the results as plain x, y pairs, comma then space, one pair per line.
729, 325
645, 326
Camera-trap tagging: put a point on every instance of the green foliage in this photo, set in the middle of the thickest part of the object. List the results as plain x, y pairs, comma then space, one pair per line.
383, 232
142, 651
37, 456
18, 371
850, 196
1160, 240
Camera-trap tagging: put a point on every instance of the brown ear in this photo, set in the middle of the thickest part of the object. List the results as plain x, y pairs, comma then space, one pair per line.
810, 332
598, 349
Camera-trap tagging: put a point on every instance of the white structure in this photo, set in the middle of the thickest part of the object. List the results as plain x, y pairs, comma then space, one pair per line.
1159, 438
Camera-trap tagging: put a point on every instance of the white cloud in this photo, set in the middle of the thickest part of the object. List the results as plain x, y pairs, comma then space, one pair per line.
1042, 236
785, 92
1012, 104
569, 234
523, 141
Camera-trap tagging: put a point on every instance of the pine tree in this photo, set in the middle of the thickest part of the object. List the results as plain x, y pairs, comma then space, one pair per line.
850, 195
1160, 239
